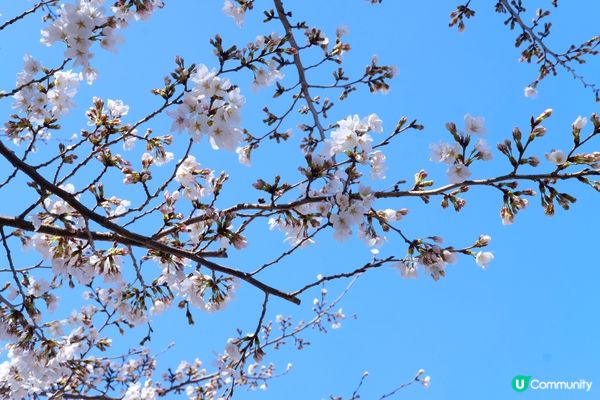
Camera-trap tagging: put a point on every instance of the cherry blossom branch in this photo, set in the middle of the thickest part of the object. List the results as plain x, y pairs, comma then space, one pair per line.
26, 13
78, 396
389, 194
68, 227
29, 149
160, 189
404, 385
46, 75
351, 274
560, 59
485, 182
136, 125
299, 67
356, 393
22, 224
138, 239
34, 328
274, 342
85, 161
290, 251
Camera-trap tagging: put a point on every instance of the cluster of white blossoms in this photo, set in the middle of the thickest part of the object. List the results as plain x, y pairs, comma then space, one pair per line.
352, 134
435, 259
433, 262
80, 24
28, 373
31, 372
40, 102
344, 210
72, 259
67, 258
266, 77
108, 264
187, 174
58, 209
201, 291
212, 107
451, 154
137, 391
297, 230
377, 162
351, 212
75, 26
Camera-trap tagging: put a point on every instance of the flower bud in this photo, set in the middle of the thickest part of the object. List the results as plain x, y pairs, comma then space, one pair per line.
539, 131
544, 115
484, 240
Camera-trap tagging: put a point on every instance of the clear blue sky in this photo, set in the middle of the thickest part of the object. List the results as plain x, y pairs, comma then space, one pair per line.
533, 312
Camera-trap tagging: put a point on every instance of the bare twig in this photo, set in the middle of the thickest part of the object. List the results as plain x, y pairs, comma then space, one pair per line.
26, 13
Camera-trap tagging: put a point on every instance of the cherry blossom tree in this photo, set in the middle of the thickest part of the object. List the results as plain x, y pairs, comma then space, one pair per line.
135, 223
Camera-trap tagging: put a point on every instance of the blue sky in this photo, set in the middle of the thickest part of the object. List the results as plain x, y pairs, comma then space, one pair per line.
533, 312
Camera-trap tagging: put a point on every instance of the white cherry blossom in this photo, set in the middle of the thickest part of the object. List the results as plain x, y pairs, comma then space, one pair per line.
557, 157
484, 258
458, 173
474, 125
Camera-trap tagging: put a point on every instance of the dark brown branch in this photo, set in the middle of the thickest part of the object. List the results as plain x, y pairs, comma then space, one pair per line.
350, 274
26, 13
38, 80
84, 397
137, 239
290, 251
19, 223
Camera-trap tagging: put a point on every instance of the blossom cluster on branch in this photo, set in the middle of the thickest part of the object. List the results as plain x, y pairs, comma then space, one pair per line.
149, 229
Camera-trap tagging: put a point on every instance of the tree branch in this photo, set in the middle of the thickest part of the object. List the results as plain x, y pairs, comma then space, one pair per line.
135, 238
386, 194
26, 13
19, 223
299, 67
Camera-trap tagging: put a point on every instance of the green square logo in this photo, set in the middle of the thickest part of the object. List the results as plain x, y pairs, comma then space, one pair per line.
520, 383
